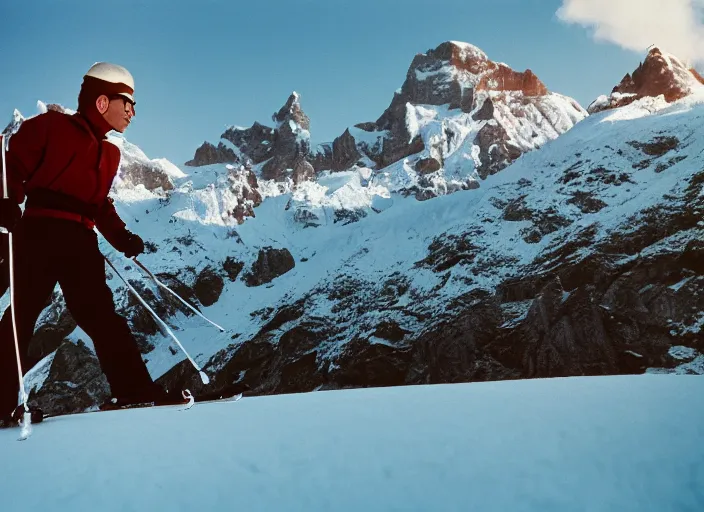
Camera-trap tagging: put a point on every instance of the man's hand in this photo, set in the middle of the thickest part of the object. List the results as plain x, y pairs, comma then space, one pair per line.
134, 246
10, 214
129, 244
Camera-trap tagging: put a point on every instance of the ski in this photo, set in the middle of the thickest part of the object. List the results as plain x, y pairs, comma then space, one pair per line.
232, 394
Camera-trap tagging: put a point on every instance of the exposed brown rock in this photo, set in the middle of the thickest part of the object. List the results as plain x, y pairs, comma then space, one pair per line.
56, 108
427, 165
208, 154
696, 75
208, 286
147, 174
372, 365
461, 76
271, 263
396, 149
503, 78
256, 142
586, 202
659, 74
291, 111
75, 382
429, 82
58, 324
300, 375
390, 330
344, 152
245, 187
446, 251
495, 150
658, 146
486, 112
653, 77
232, 268
321, 157
306, 217
284, 146
291, 144
302, 171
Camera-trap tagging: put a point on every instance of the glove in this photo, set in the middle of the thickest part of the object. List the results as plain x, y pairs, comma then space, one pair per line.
10, 214
130, 245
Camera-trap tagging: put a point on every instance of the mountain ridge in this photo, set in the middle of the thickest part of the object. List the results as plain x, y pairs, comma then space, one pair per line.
464, 98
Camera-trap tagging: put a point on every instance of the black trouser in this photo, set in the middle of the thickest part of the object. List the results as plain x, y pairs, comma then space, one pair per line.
48, 251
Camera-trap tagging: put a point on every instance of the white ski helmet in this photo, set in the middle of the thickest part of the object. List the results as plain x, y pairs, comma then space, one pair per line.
114, 74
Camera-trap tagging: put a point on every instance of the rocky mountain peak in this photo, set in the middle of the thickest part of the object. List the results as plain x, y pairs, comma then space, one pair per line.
291, 145
514, 111
282, 150
461, 55
14, 122
454, 71
292, 111
659, 74
447, 89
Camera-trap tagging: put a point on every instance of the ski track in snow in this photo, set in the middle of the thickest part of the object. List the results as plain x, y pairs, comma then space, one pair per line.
621, 444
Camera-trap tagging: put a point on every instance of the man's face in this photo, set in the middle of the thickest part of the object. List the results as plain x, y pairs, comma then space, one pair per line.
119, 113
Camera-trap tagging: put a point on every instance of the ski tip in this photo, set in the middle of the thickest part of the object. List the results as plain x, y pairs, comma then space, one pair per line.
204, 377
26, 425
191, 400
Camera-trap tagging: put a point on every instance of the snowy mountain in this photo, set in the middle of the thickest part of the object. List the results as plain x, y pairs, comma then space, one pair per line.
457, 118
582, 257
14, 123
609, 444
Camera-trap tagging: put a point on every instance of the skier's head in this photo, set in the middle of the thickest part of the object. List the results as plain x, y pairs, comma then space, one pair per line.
106, 96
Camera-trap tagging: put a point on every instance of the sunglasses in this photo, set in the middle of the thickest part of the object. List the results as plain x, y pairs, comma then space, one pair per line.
129, 106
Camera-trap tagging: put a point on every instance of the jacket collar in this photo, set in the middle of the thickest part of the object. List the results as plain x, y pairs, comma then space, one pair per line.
94, 123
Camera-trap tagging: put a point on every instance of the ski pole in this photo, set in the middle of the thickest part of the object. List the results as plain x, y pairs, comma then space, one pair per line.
27, 420
203, 376
159, 283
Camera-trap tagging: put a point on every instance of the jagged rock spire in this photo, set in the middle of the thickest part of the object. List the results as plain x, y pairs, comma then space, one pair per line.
659, 74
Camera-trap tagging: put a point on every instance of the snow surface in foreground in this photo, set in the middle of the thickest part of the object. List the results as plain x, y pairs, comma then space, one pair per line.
599, 443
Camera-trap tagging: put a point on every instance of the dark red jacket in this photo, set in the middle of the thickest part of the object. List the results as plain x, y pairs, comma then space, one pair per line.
58, 162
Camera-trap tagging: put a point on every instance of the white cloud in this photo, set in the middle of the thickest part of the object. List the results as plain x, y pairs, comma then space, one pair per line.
675, 26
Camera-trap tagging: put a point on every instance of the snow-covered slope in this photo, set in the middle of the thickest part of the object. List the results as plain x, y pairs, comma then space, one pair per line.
608, 444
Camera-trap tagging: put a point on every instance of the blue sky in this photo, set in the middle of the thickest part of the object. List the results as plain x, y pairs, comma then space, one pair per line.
202, 66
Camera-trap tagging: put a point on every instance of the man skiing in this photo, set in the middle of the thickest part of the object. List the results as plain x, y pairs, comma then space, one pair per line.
64, 166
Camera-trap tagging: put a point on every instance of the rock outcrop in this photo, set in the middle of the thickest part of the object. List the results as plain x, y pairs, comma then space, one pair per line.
291, 145
208, 154
75, 382
245, 192
462, 77
284, 150
514, 110
659, 74
151, 176
271, 263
